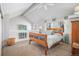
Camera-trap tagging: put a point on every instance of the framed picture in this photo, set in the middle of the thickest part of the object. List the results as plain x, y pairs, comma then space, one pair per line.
22, 27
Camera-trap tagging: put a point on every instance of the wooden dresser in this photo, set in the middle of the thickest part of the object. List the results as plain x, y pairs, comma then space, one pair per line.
75, 38
75, 49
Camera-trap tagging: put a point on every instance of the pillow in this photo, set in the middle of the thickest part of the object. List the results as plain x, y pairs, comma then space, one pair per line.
61, 33
52, 33
48, 32
57, 33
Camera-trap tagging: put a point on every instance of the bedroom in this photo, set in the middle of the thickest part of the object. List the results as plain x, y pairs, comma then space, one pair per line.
38, 29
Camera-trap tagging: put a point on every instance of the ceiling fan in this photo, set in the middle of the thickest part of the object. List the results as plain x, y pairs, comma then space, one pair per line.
45, 5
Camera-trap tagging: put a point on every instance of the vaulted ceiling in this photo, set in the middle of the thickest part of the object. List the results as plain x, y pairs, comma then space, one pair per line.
59, 10
36, 15
14, 9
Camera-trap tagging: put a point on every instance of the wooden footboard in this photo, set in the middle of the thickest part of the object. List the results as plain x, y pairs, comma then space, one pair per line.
36, 38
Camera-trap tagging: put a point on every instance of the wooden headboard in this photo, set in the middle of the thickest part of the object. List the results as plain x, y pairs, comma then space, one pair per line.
55, 29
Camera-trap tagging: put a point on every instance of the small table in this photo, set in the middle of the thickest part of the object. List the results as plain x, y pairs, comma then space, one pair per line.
10, 41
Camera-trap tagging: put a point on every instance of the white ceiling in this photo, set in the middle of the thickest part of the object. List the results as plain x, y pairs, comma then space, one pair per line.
14, 9
35, 14
38, 15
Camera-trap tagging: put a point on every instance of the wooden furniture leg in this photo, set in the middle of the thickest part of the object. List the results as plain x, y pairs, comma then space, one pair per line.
29, 41
46, 51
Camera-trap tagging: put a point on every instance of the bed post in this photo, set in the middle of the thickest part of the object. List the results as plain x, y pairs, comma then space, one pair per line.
46, 47
46, 51
30, 37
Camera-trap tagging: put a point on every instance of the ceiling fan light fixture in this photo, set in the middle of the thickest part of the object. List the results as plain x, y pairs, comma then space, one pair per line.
45, 5
51, 4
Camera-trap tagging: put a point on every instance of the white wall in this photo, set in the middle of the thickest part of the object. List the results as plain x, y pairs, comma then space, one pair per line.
13, 27
10, 28
0, 34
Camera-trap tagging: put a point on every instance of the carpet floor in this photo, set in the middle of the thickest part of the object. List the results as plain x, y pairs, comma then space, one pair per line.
23, 48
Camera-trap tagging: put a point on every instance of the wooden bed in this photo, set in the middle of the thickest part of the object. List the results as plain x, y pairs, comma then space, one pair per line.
42, 42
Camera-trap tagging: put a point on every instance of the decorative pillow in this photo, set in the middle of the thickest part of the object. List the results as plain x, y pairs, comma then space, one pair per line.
57, 33
52, 33
48, 32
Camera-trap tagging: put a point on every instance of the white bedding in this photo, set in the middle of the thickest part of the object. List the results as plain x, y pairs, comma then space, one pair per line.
52, 39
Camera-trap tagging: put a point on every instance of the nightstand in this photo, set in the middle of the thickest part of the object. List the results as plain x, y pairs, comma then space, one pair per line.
10, 41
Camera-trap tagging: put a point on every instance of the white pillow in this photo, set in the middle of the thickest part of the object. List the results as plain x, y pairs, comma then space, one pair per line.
57, 33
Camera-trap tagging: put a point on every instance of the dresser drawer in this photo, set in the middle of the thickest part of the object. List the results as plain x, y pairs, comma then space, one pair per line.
75, 52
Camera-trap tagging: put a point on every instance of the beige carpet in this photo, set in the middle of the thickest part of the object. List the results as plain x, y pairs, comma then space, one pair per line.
24, 49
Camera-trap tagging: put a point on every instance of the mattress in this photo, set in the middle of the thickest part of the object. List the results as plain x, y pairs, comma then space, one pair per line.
52, 39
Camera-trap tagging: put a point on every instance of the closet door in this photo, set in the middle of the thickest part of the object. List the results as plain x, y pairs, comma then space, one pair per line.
0, 34
75, 31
